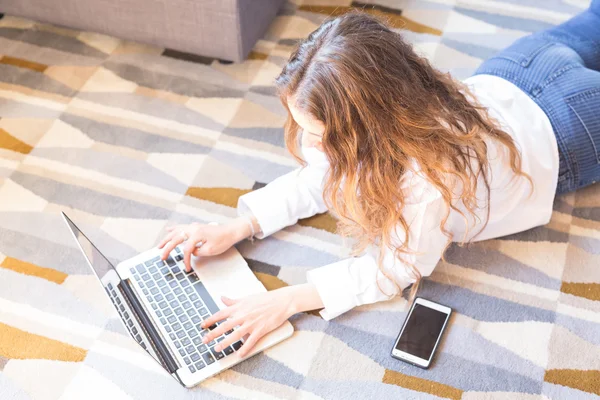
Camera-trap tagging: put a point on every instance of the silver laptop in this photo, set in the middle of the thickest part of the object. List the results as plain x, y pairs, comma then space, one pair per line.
162, 306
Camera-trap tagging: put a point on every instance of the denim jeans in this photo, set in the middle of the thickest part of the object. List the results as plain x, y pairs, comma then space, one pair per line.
559, 68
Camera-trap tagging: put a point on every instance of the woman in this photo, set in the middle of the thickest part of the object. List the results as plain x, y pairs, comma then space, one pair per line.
410, 160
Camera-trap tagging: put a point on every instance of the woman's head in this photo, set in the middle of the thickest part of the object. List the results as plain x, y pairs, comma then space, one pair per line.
357, 91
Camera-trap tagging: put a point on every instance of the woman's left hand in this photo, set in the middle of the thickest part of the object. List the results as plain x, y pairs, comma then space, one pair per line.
255, 316
258, 314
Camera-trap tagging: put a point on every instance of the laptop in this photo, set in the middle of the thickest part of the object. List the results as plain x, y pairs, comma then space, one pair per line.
162, 306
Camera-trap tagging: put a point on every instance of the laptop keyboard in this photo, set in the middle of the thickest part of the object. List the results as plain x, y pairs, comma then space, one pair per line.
181, 303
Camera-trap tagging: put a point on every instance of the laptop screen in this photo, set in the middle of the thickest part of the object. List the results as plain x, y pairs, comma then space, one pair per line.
97, 261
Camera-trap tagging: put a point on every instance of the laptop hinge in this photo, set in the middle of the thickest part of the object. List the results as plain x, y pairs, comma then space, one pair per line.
166, 359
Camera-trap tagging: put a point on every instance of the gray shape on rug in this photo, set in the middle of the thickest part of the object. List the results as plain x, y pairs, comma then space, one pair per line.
130, 137
33, 79
171, 83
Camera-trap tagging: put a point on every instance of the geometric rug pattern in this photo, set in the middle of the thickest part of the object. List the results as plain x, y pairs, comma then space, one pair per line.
128, 138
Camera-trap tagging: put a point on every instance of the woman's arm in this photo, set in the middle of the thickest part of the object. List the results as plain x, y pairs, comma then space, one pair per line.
281, 203
343, 285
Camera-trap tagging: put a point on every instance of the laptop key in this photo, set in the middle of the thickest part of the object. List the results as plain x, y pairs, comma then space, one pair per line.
228, 350
173, 284
150, 262
193, 278
177, 250
172, 336
202, 348
185, 283
203, 311
162, 283
118, 300
126, 315
187, 360
165, 289
192, 369
185, 341
169, 277
154, 290
186, 305
138, 338
121, 307
168, 328
140, 268
182, 352
177, 344
197, 341
208, 358
170, 297
199, 365
206, 298
145, 291
195, 357
176, 326
160, 263
178, 257
236, 346
134, 330
164, 270
146, 277
182, 297
163, 321
174, 303
189, 290
168, 312
180, 334
217, 354
183, 318
187, 326
193, 333
172, 319
159, 313
163, 305
132, 270
193, 297
229, 332
178, 311
176, 270
177, 291
171, 262
151, 284
156, 276
152, 269
130, 322
191, 312
190, 349
158, 297
179, 277
196, 319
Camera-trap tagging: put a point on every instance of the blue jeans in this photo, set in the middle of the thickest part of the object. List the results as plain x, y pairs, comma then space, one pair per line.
559, 68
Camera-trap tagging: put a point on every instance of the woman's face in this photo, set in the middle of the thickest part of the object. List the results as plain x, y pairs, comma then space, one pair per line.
312, 128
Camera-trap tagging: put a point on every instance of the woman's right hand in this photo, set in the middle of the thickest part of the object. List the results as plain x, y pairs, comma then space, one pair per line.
203, 240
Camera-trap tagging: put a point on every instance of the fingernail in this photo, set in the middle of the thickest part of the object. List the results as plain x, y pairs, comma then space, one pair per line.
218, 348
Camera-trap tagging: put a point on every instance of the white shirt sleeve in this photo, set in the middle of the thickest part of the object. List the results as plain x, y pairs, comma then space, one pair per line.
298, 194
356, 281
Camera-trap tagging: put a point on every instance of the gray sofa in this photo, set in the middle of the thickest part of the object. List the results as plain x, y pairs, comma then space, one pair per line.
224, 29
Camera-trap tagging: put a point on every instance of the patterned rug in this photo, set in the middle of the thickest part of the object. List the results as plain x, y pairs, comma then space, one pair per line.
128, 138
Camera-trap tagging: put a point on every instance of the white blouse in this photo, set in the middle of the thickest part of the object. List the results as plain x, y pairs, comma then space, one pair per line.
513, 207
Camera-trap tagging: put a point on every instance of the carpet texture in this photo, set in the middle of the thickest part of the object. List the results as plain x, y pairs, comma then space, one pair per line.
128, 138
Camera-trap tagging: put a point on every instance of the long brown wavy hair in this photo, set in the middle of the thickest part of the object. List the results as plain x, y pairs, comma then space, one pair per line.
384, 108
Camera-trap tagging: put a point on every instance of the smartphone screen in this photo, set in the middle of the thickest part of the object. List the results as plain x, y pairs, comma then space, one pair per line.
421, 331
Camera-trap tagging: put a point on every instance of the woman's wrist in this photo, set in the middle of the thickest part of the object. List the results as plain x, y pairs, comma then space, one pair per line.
304, 297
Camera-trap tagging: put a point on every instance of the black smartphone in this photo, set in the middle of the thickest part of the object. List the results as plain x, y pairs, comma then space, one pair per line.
421, 332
